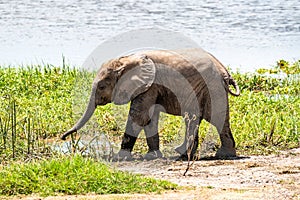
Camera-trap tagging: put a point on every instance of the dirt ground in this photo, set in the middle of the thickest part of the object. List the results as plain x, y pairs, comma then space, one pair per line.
254, 177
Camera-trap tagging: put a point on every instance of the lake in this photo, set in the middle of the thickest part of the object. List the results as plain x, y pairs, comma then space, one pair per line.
243, 34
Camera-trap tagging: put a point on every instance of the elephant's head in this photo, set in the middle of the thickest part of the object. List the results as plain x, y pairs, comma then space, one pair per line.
118, 81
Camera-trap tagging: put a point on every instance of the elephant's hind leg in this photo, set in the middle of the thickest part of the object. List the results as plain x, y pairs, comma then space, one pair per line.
188, 149
227, 142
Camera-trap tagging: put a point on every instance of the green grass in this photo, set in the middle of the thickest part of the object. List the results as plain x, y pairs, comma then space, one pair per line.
73, 175
263, 125
266, 117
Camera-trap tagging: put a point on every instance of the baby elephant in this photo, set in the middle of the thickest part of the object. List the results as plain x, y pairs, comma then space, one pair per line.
189, 82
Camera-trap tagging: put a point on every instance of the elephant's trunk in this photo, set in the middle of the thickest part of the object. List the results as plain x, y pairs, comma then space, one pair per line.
85, 117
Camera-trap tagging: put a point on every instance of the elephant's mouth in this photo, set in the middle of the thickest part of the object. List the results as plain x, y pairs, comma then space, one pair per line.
103, 101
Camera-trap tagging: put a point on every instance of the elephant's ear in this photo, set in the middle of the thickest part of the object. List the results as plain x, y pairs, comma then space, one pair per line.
136, 76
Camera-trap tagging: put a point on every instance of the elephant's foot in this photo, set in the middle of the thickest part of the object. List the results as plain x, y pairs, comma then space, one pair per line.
183, 153
185, 157
181, 149
152, 155
182, 157
123, 155
225, 152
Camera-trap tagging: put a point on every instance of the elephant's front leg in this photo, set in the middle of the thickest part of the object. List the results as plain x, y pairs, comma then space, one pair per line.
151, 131
140, 117
188, 149
131, 133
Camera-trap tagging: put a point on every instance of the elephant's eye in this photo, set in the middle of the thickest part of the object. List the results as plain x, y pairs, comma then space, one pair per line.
101, 87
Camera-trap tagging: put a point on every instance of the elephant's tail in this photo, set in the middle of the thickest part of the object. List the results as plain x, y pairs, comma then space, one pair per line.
226, 76
235, 85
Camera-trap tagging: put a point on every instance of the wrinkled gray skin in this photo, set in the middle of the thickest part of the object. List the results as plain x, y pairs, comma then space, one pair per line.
189, 82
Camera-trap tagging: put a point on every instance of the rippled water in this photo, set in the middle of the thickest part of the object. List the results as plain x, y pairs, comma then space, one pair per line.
242, 33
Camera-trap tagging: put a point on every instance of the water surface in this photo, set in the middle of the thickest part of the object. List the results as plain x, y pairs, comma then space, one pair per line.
242, 34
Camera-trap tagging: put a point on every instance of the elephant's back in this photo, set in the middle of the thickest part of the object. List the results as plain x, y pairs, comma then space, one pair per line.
183, 60
188, 74
192, 64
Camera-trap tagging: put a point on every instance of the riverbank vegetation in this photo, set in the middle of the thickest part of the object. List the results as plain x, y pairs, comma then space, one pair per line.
73, 175
38, 103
